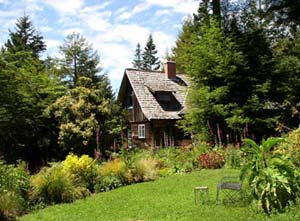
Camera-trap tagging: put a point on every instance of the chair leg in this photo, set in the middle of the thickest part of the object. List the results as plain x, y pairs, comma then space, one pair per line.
217, 198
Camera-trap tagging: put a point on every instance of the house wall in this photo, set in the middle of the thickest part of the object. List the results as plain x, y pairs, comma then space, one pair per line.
137, 115
158, 133
141, 142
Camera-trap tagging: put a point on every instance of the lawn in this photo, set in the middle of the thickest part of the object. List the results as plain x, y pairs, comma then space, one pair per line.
168, 198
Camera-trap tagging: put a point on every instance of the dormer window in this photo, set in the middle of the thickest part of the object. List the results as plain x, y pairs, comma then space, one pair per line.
167, 100
166, 97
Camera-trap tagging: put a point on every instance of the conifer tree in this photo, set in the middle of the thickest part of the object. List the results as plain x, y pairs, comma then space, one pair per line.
79, 59
137, 62
150, 62
25, 38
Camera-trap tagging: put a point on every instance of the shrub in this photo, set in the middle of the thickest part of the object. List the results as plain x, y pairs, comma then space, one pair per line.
10, 205
14, 187
233, 157
291, 148
107, 183
54, 185
115, 168
272, 177
146, 169
83, 170
211, 160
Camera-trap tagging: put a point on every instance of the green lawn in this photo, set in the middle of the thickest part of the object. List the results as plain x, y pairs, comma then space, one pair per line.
168, 198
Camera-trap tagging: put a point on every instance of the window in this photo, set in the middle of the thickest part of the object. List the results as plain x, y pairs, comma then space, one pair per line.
141, 131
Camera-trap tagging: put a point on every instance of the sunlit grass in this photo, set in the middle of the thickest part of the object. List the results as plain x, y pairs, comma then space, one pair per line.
170, 198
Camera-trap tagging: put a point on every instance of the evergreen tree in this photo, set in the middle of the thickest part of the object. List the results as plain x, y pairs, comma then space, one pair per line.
79, 59
26, 90
25, 38
137, 62
150, 62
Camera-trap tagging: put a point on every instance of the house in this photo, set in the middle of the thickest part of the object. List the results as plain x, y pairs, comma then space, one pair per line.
155, 101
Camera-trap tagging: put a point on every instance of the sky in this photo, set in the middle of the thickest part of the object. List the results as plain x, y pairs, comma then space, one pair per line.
113, 27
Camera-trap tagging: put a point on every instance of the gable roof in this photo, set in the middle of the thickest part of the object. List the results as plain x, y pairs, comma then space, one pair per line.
146, 83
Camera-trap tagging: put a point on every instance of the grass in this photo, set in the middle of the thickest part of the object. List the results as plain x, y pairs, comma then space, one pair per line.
168, 198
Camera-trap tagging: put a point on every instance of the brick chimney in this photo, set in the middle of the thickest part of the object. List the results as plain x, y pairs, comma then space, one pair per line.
170, 69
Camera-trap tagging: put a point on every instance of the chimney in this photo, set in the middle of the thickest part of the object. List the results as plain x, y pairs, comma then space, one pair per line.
170, 69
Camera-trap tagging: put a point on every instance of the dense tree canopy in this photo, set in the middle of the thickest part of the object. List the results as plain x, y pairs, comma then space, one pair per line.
243, 74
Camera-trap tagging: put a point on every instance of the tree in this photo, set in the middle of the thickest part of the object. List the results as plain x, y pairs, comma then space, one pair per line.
84, 113
79, 59
26, 90
25, 38
150, 62
137, 62
215, 68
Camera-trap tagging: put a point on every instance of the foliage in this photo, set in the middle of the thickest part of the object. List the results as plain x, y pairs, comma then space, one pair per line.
82, 112
215, 64
115, 168
26, 90
233, 157
211, 160
291, 148
14, 186
107, 183
272, 177
146, 169
149, 61
25, 38
83, 170
54, 185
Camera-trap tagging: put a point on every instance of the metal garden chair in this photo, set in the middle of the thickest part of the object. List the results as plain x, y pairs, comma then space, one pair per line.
231, 186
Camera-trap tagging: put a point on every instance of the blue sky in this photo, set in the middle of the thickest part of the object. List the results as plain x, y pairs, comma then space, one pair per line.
112, 26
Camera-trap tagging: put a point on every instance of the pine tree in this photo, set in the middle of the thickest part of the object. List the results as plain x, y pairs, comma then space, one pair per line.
150, 62
79, 59
25, 38
137, 62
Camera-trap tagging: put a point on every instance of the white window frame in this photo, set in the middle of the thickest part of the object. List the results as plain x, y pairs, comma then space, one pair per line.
141, 131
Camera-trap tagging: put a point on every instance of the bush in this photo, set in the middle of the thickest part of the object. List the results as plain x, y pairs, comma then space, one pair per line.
107, 183
54, 185
146, 169
273, 178
179, 160
10, 205
291, 148
83, 170
211, 160
233, 157
115, 168
14, 187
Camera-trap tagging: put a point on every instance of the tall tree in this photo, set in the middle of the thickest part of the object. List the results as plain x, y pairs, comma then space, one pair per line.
25, 38
79, 59
25, 92
137, 61
150, 61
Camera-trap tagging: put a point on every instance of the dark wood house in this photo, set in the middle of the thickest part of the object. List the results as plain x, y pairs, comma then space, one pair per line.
155, 101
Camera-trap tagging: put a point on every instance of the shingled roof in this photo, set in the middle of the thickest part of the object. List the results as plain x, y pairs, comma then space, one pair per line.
146, 84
